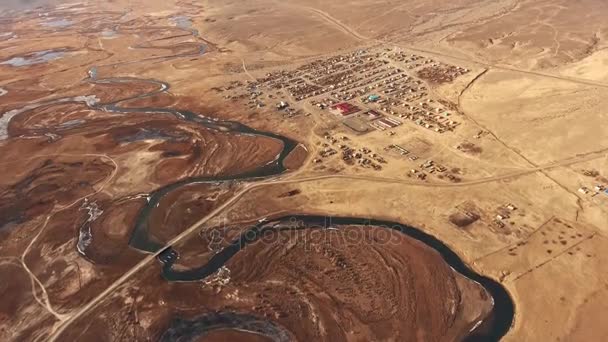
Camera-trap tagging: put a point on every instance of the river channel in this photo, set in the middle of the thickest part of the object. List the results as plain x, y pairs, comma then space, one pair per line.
492, 329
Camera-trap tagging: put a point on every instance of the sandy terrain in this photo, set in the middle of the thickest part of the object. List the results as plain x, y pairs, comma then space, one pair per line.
121, 142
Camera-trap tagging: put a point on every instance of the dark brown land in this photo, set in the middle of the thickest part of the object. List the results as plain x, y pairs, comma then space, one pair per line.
354, 283
521, 85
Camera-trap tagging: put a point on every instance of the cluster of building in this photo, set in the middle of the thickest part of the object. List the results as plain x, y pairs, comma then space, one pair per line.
258, 97
426, 114
358, 83
363, 157
424, 169
384, 123
503, 214
411, 60
430, 167
365, 90
594, 191
427, 68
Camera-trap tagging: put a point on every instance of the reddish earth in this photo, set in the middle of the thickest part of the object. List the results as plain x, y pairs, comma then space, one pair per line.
354, 283
17, 303
162, 100
76, 170
112, 231
296, 158
52, 182
231, 336
75, 178
68, 168
182, 208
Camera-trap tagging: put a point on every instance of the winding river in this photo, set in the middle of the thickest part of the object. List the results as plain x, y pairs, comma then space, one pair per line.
188, 330
492, 330
140, 238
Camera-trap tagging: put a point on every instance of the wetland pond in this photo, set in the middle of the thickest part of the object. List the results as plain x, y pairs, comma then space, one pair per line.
38, 57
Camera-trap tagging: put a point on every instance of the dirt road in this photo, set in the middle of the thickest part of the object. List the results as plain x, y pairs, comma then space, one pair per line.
195, 227
352, 32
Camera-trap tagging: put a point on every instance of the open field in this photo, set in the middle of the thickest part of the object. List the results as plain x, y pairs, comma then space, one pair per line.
147, 147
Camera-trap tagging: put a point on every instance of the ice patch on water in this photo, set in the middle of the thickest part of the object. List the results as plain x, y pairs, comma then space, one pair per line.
185, 23
85, 237
182, 21
90, 100
5, 118
58, 23
220, 278
108, 34
70, 6
35, 58
71, 123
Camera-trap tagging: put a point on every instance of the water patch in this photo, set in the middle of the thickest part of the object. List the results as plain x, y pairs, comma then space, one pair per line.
85, 237
58, 23
35, 58
93, 73
182, 21
70, 124
189, 330
6, 36
108, 34
185, 23
150, 134
5, 119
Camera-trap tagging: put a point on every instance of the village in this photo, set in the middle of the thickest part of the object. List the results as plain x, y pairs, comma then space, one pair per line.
364, 91
378, 91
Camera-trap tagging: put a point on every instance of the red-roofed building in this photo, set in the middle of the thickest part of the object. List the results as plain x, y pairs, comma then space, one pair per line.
344, 109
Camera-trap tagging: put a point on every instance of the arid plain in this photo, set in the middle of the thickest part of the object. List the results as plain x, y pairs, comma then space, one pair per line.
303, 170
